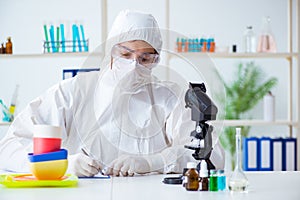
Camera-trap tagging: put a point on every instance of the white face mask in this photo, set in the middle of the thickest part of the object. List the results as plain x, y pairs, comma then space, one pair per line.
129, 72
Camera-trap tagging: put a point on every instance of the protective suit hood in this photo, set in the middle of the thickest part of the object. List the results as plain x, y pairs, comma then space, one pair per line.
134, 25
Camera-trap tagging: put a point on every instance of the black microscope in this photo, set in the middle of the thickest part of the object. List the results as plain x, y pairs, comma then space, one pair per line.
203, 109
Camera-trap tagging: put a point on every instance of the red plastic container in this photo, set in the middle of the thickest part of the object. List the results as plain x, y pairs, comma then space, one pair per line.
46, 139
46, 145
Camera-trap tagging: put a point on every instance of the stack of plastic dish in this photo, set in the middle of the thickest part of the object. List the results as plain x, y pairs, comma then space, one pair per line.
48, 161
49, 166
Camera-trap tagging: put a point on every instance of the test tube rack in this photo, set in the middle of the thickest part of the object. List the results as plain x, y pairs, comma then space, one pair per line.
66, 46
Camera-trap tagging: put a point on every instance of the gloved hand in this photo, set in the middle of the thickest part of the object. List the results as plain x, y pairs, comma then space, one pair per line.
128, 166
82, 165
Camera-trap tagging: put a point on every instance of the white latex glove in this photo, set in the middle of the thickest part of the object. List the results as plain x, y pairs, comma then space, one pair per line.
82, 165
128, 166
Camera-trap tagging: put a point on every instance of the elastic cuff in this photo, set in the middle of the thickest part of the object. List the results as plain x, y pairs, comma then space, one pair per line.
156, 163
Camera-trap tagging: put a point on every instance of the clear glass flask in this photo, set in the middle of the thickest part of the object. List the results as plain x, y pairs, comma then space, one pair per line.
238, 181
266, 41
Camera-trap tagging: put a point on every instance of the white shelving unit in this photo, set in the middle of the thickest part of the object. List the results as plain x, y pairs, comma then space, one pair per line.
290, 122
241, 55
254, 123
290, 56
49, 55
5, 123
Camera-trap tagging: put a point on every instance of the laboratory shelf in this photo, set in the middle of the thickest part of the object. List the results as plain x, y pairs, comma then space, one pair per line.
253, 123
50, 55
5, 123
237, 55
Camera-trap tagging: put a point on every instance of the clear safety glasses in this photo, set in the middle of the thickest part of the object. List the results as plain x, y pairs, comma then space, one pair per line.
145, 59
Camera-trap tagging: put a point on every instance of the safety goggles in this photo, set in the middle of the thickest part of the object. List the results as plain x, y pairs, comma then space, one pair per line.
145, 59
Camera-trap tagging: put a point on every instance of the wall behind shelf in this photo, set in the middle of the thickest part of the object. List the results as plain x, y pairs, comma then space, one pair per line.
226, 20
24, 20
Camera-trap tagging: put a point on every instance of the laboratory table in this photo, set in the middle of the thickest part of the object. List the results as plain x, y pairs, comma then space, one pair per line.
263, 185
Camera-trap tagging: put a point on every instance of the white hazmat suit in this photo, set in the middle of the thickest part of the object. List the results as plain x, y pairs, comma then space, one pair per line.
124, 117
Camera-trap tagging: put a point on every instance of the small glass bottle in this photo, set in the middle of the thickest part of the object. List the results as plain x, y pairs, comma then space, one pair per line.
204, 46
2, 49
192, 177
249, 40
238, 181
213, 180
266, 41
221, 180
178, 45
9, 46
203, 183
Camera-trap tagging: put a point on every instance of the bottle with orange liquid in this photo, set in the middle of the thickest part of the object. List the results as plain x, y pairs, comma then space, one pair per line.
9, 46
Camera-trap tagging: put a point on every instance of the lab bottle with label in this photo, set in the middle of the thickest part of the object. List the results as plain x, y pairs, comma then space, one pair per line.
204, 182
192, 177
213, 180
249, 40
9, 46
221, 180
2, 49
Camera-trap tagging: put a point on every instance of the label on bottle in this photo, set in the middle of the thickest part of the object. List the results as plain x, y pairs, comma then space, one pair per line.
213, 183
203, 184
192, 180
184, 181
221, 182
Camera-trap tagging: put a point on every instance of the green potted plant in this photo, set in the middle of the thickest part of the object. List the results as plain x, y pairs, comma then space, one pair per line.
242, 94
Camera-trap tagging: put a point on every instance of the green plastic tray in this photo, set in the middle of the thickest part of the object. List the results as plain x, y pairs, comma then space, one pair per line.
28, 180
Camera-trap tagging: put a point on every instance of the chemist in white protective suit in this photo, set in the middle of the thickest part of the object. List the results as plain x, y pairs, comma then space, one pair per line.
126, 120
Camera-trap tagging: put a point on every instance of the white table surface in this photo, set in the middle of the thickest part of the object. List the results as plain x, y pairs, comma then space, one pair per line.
263, 185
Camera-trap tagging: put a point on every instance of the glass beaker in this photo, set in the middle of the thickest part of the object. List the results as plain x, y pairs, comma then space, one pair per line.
266, 41
238, 181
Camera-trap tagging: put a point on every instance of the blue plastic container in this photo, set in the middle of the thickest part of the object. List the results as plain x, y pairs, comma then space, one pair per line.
56, 155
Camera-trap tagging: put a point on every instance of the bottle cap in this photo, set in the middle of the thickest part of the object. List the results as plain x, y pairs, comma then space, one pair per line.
191, 165
234, 48
203, 169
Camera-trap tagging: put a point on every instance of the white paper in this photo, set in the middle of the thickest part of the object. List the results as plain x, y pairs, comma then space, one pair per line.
290, 156
252, 151
265, 154
277, 156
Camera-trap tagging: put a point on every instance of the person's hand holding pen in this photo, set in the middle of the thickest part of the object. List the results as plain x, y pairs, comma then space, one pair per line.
83, 165
103, 170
